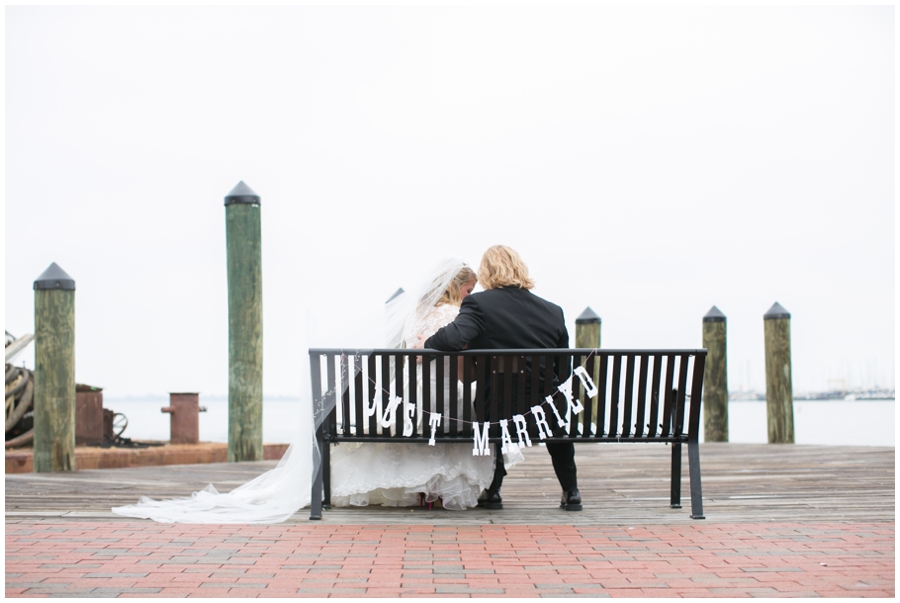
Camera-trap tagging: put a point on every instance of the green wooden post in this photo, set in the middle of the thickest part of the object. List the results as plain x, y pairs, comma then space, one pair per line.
587, 330
779, 388
715, 378
245, 366
54, 371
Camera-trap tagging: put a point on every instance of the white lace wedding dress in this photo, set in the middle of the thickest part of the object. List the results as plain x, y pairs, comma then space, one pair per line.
396, 474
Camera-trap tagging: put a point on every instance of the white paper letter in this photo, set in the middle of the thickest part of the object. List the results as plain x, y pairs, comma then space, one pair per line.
387, 420
559, 419
434, 420
541, 420
371, 410
481, 440
572, 405
506, 443
587, 383
522, 430
408, 411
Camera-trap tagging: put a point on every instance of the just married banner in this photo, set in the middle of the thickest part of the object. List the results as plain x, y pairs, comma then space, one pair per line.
388, 418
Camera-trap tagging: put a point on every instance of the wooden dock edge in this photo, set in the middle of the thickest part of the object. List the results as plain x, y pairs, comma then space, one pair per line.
91, 457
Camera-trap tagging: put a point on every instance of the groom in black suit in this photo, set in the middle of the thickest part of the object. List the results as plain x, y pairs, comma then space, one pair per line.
507, 315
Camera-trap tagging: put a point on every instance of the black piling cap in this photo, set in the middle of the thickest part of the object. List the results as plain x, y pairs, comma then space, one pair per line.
776, 311
587, 317
54, 277
241, 194
714, 315
396, 294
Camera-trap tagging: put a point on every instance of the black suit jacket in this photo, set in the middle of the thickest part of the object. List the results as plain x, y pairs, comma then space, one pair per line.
503, 319
507, 318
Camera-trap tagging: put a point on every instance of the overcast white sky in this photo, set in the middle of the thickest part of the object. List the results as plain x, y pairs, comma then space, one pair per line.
648, 162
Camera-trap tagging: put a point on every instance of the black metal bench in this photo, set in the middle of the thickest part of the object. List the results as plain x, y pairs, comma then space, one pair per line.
638, 396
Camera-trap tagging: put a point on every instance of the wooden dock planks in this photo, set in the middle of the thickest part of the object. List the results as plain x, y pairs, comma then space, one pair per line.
620, 484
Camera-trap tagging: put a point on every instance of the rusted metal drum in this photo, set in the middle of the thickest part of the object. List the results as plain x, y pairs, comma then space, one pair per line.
88, 415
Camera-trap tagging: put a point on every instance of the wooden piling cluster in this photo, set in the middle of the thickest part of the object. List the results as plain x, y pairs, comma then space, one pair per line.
779, 388
54, 374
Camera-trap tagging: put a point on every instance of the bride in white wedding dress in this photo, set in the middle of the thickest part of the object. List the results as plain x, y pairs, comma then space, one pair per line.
402, 475
382, 473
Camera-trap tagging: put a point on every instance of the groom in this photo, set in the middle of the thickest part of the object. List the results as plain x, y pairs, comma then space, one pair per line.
506, 315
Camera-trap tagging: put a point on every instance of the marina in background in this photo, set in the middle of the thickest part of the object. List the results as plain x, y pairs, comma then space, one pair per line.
837, 394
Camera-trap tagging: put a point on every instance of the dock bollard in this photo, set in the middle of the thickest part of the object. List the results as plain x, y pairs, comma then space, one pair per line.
245, 327
54, 371
715, 378
184, 424
779, 387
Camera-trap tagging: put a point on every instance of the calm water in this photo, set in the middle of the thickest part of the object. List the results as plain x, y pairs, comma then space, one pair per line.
840, 422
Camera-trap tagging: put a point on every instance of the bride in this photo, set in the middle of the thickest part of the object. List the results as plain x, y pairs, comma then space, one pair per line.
402, 475
377, 473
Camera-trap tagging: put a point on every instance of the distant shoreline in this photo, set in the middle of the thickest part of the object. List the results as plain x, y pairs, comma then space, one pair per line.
734, 397
203, 397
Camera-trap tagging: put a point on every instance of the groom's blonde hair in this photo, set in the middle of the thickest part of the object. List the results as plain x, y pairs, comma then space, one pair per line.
501, 266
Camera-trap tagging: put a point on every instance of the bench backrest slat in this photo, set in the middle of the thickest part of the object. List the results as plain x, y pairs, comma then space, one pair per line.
682, 392
614, 397
586, 418
642, 396
654, 394
631, 359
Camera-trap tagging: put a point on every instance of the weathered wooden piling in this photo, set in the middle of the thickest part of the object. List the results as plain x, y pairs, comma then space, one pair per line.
779, 388
587, 330
245, 324
54, 371
715, 378
587, 336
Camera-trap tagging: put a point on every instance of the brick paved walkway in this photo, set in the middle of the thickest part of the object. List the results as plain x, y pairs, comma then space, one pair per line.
145, 559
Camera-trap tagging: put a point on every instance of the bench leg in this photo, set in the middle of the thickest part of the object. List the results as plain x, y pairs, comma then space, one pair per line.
696, 490
315, 501
325, 472
675, 499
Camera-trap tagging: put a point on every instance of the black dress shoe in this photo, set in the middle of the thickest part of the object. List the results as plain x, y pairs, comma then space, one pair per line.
571, 501
490, 500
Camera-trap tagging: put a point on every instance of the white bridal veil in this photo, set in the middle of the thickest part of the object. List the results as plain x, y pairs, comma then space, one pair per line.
277, 494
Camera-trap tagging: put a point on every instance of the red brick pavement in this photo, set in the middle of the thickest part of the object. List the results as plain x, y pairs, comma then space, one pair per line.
145, 559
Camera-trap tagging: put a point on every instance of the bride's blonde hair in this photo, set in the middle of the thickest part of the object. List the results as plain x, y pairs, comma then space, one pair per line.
453, 294
501, 266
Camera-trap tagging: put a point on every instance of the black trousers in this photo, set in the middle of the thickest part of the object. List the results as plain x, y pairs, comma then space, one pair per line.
561, 453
